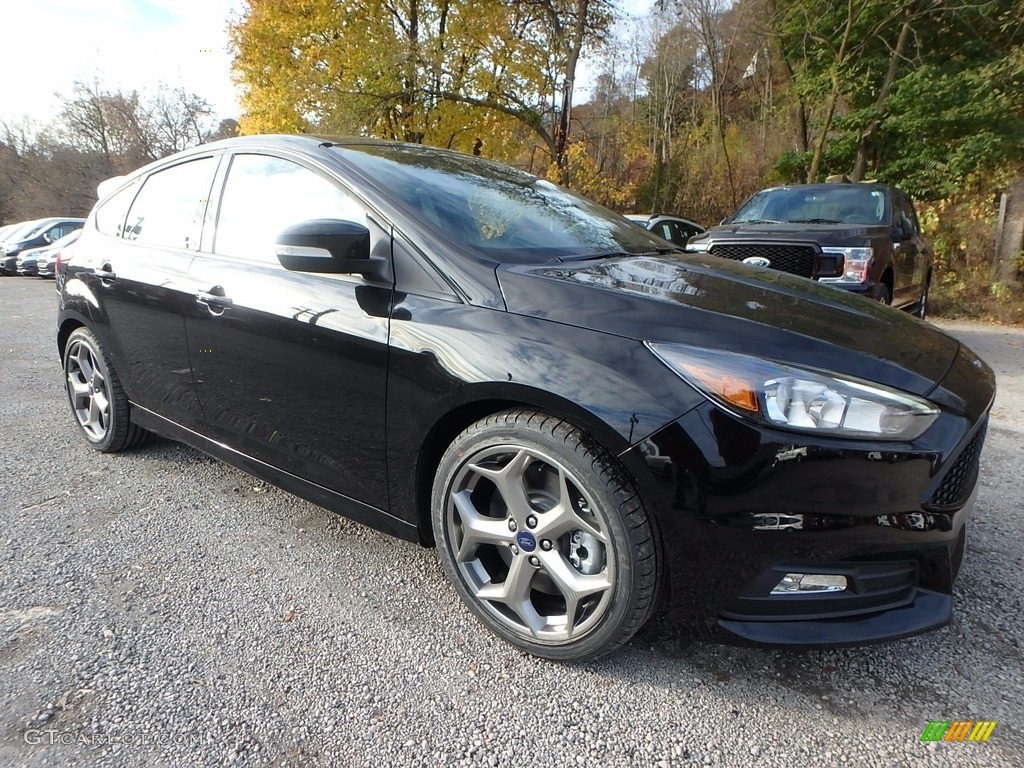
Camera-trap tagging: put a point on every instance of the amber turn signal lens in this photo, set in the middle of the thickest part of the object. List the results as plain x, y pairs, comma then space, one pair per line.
733, 389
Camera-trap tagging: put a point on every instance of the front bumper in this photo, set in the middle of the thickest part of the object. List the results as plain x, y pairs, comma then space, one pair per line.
740, 506
28, 268
9, 264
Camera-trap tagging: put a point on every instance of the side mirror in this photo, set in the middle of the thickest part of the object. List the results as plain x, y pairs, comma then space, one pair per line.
46, 238
327, 246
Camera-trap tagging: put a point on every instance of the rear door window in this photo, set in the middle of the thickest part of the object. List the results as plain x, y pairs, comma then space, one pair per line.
169, 209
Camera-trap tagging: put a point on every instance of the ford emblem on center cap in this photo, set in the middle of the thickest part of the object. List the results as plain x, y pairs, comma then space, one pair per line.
757, 261
526, 541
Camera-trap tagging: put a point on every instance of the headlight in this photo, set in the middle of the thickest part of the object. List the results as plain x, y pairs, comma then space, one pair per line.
856, 263
783, 396
697, 246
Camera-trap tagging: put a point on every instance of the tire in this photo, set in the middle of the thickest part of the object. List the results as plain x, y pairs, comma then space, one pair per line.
881, 294
98, 402
524, 499
922, 302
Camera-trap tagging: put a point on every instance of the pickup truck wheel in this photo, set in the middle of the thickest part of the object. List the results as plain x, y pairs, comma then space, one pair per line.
922, 303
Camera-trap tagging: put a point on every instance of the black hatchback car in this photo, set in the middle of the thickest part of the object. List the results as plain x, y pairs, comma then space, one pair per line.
863, 237
584, 421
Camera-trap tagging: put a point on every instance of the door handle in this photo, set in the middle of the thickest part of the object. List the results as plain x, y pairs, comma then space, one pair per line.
212, 300
104, 273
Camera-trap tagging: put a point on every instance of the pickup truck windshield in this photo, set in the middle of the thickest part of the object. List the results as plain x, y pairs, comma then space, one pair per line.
816, 204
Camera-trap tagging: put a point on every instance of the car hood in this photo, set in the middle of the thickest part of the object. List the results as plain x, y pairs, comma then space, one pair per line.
824, 234
710, 302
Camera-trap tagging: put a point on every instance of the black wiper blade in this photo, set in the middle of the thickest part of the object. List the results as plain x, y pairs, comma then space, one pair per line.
615, 255
814, 221
756, 221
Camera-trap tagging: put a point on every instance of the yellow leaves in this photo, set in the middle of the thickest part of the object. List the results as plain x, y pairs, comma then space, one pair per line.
613, 170
458, 73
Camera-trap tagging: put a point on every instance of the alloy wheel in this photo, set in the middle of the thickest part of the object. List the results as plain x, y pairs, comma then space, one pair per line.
530, 545
88, 390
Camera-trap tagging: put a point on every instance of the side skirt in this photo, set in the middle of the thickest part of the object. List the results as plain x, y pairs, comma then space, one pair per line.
332, 500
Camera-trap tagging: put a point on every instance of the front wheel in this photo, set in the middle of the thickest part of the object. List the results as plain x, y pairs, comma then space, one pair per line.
544, 537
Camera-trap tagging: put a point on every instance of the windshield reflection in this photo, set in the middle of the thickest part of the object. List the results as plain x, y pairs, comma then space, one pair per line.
501, 213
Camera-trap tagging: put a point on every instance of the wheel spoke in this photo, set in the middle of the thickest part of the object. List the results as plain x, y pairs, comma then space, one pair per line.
509, 482
563, 517
84, 360
573, 585
101, 404
476, 528
78, 388
515, 593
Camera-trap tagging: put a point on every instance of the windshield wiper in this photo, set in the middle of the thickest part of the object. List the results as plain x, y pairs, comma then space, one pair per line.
755, 221
814, 221
615, 255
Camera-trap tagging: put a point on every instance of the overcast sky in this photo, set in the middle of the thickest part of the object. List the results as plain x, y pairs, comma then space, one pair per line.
128, 44
131, 44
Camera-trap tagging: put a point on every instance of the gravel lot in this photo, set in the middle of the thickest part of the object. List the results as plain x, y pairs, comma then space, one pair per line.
161, 609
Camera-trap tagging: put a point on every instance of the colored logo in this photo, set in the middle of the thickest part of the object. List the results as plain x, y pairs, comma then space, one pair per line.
757, 261
526, 541
958, 730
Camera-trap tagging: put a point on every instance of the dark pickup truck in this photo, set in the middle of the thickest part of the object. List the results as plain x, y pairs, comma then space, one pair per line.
861, 237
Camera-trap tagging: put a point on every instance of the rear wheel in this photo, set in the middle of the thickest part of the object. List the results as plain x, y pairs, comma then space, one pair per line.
98, 401
544, 536
882, 294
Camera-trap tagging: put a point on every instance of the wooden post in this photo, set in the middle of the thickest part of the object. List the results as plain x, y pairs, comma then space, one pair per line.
1009, 234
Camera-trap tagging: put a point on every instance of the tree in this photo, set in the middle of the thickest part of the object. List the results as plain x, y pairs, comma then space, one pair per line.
455, 73
925, 93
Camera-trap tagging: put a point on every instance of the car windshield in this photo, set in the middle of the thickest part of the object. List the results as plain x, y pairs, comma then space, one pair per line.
22, 232
833, 204
499, 212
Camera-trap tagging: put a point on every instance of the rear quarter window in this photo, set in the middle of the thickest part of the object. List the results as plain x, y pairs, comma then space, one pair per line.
110, 213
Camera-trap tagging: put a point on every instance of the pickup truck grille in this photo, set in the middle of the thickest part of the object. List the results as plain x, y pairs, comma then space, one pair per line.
795, 259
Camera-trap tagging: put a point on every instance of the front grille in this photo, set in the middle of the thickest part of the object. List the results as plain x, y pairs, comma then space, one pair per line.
795, 259
959, 481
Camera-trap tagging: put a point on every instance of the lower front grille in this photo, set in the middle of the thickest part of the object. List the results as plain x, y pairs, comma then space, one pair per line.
959, 480
795, 259
872, 587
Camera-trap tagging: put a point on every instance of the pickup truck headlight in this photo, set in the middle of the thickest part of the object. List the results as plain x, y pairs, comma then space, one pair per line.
781, 395
856, 263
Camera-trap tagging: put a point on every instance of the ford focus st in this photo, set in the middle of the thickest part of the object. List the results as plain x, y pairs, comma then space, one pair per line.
586, 423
